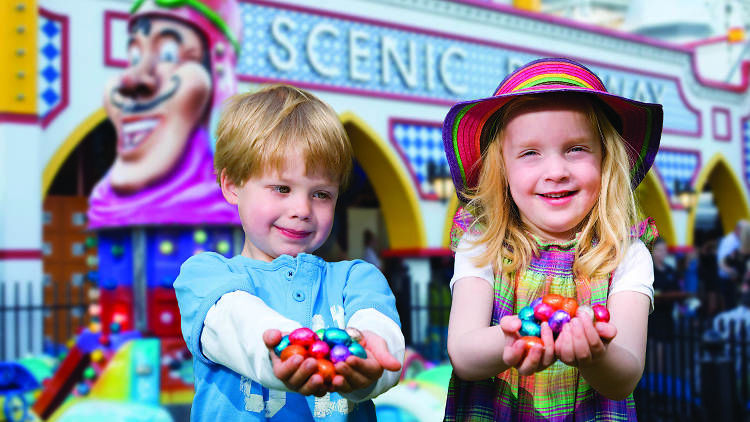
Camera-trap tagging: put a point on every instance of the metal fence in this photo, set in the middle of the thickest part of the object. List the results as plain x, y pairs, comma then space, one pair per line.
36, 319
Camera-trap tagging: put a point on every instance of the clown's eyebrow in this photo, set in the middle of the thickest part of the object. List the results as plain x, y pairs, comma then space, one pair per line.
168, 32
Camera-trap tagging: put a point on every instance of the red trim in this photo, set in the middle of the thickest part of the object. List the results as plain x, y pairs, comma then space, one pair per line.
20, 254
715, 112
416, 252
109, 15
680, 249
24, 119
64, 66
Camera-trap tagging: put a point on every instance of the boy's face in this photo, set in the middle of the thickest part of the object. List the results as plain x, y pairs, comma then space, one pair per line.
284, 212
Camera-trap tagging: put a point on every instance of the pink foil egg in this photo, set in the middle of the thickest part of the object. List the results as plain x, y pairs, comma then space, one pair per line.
303, 336
319, 349
543, 311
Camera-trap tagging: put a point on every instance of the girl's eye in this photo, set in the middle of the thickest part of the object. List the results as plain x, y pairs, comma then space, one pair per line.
281, 189
134, 56
528, 153
168, 51
577, 148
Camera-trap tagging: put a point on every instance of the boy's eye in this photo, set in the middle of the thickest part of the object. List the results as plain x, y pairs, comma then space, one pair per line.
281, 189
322, 195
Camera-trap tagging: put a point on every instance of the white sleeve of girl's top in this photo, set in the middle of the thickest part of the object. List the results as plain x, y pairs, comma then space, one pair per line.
464, 265
635, 273
232, 336
375, 321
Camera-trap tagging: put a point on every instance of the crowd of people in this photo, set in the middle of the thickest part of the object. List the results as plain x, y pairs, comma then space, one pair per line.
708, 281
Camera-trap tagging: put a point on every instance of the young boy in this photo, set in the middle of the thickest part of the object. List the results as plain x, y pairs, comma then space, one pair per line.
281, 158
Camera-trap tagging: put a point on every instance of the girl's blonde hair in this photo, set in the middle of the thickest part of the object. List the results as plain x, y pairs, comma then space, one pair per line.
604, 232
258, 130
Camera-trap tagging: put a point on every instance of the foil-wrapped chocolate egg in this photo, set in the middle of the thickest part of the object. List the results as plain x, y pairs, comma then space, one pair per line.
282, 345
600, 313
543, 311
303, 336
319, 349
357, 350
557, 320
530, 328
526, 313
334, 336
339, 353
585, 311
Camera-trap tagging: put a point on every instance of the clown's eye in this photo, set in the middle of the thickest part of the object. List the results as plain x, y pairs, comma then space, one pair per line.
168, 51
134, 55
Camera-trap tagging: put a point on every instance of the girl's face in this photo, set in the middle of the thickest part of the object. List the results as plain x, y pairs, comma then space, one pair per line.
552, 157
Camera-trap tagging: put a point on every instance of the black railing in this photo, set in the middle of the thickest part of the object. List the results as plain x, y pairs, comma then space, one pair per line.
35, 319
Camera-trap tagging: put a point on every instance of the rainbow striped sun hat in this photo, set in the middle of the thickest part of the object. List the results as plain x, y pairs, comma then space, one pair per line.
468, 124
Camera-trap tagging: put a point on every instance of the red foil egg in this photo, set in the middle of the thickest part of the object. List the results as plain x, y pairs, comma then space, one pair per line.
543, 311
293, 349
326, 370
601, 314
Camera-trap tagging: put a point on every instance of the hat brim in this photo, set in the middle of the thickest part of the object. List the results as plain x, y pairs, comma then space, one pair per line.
468, 123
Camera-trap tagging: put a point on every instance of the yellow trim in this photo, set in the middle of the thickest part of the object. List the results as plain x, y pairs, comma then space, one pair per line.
450, 211
393, 187
728, 194
18, 50
652, 202
68, 145
176, 397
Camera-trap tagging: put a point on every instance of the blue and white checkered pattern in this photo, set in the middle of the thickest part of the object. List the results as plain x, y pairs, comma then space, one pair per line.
676, 166
746, 149
421, 144
49, 60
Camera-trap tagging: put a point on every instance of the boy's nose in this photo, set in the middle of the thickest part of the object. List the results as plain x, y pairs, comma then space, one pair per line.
301, 208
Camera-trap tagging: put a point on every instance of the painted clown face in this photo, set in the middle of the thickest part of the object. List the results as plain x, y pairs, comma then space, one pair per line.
157, 102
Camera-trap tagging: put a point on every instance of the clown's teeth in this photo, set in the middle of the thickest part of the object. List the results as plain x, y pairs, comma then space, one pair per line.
133, 133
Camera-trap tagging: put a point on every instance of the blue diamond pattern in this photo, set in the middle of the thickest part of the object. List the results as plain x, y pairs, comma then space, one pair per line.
50, 51
50, 29
50, 73
50, 96
421, 145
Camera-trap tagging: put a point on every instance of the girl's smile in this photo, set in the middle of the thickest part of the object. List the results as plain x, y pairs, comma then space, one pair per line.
553, 157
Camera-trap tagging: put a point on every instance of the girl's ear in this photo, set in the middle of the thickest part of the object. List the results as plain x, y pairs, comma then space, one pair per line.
229, 189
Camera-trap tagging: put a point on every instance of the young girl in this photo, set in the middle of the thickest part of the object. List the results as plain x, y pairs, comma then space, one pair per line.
547, 166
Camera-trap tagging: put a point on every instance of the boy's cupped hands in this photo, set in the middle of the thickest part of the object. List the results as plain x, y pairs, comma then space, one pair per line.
301, 374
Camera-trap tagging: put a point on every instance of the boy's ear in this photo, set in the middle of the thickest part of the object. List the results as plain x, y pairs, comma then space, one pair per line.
228, 188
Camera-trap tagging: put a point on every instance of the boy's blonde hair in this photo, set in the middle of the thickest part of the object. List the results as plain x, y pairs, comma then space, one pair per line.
258, 130
605, 231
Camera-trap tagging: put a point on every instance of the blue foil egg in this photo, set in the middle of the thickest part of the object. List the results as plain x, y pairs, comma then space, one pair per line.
530, 328
334, 336
358, 351
281, 346
526, 313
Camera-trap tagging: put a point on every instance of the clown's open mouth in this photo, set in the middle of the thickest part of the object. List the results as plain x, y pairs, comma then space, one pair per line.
135, 131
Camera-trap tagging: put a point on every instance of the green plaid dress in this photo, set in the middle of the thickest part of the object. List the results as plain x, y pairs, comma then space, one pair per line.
558, 393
